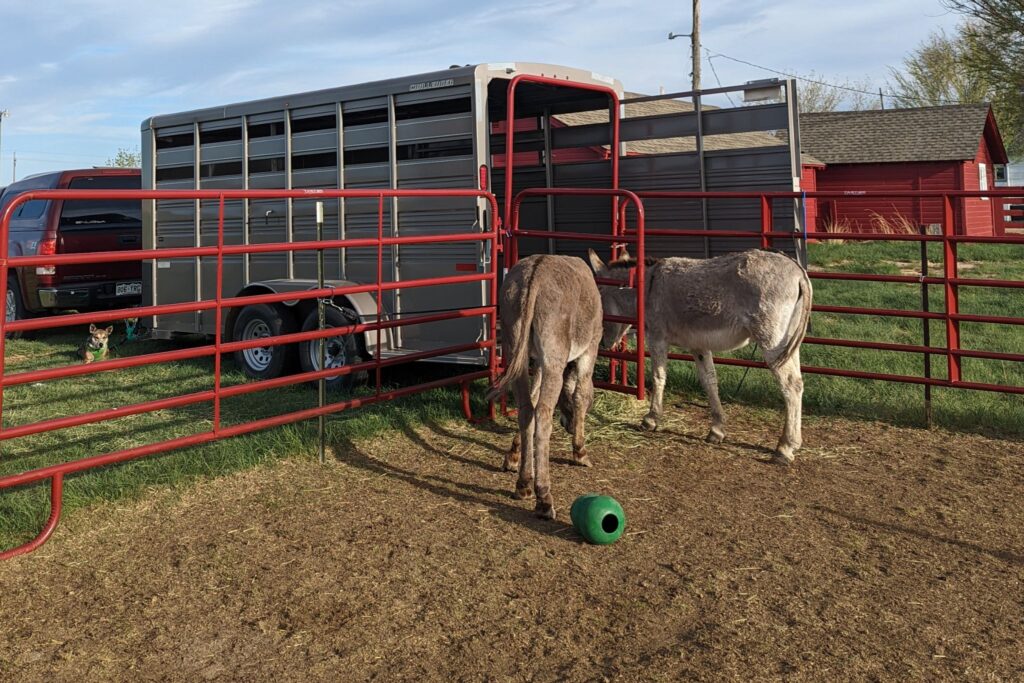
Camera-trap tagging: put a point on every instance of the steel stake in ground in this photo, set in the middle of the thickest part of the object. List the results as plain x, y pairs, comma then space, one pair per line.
320, 316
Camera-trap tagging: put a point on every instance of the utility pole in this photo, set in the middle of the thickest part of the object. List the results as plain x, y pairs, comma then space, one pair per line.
695, 45
694, 37
4, 114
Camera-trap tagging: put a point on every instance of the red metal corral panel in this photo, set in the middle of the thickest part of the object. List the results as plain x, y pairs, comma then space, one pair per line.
978, 212
858, 214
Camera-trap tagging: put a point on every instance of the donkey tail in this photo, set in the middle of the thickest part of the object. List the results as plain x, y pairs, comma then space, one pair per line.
519, 364
798, 321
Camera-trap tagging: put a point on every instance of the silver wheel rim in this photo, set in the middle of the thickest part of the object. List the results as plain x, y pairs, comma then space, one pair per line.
259, 358
12, 305
334, 353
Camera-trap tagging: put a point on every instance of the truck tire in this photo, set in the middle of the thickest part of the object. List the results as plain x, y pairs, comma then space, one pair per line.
263, 320
342, 350
15, 305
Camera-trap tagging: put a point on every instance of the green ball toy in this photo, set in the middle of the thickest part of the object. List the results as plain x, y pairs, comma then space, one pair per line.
599, 519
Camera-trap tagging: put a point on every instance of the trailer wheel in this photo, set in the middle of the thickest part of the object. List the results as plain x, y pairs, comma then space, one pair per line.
345, 349
262, 320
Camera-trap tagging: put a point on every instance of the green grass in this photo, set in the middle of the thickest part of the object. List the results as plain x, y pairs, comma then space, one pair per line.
23, 511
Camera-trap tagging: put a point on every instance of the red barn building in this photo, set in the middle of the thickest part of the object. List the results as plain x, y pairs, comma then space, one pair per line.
928, 148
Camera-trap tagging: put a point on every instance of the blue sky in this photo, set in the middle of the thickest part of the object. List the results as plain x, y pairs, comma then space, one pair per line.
79, 76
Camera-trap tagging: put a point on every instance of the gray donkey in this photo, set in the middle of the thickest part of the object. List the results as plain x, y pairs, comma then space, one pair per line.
550, 312
719, 304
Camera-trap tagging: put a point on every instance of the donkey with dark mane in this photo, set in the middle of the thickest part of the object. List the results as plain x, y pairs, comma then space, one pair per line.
550, 312
718, 304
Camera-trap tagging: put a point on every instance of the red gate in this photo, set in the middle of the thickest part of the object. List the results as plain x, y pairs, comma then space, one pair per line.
56, 473
950, 281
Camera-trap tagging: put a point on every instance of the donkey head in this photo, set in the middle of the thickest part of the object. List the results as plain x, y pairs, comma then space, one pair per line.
617, 299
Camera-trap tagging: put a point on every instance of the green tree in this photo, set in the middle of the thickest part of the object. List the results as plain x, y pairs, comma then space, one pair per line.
125, 158
994, 34
936, 73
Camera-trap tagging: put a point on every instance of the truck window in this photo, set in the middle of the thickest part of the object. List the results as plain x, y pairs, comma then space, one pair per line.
31, 209
90, 213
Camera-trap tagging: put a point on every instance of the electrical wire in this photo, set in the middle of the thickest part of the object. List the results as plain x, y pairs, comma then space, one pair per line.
824, 83
717, 79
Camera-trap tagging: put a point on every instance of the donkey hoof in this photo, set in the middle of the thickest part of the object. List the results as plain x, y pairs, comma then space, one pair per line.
545, 510
649, 424
782, 458
715, 436
524, 492
510, 465
582, 459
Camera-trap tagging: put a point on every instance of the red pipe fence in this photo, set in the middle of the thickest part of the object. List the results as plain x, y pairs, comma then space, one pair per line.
949, 280
56, 473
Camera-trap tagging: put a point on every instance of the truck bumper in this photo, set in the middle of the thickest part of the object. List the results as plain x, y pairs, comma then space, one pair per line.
91, 295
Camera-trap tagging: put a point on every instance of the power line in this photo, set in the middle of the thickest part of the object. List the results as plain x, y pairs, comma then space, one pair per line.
827, 85
717, 79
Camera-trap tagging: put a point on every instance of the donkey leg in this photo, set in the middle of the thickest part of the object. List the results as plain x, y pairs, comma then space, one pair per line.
792, 384
512, 460
582, 397
565, 399
659, 363
527, 427
551, 387
709, 380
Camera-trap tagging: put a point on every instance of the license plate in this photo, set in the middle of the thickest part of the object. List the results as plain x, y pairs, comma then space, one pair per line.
128, 288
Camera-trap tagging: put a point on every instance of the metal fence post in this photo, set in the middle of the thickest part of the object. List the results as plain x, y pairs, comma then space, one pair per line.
949, 256
321, 384
926, 330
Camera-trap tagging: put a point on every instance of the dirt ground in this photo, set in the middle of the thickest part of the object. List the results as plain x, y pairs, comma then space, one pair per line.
882, 554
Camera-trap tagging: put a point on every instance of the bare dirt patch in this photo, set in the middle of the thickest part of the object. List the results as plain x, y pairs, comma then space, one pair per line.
882, 554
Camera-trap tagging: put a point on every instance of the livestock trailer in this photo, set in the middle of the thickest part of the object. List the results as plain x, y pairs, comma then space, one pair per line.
444, 129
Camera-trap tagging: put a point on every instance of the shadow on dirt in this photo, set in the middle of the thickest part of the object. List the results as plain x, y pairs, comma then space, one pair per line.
1004, 555
347, 452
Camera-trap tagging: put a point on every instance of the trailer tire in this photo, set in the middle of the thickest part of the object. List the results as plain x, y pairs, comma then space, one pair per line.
263, 320
342, 350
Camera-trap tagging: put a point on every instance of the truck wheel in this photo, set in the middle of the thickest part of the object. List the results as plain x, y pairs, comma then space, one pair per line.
345, 349
15, 307
263, 320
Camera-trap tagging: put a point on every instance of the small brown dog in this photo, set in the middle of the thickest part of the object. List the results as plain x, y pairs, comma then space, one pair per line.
96, 346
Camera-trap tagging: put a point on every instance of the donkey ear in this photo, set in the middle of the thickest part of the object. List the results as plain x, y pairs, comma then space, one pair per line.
110, 330
625, 253
92, 329
595, 261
